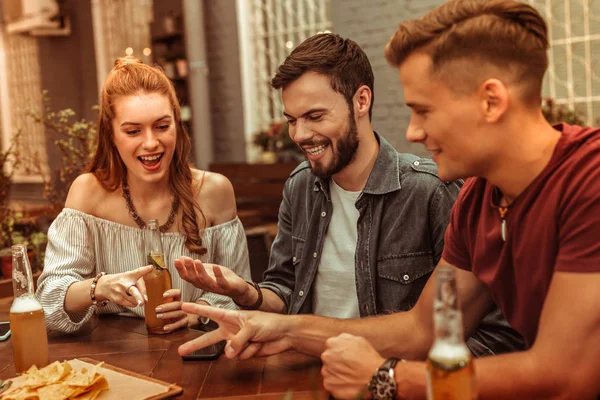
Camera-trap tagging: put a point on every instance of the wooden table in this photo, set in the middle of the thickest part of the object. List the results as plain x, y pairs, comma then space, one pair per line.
123, 342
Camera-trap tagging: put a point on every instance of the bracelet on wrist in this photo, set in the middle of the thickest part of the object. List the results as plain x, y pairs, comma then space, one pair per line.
93, 291
258, 301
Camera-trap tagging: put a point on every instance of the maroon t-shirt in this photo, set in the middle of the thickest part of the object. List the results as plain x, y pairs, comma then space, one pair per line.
554, 225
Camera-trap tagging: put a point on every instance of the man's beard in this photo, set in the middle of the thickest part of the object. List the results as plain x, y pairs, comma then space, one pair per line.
343, 153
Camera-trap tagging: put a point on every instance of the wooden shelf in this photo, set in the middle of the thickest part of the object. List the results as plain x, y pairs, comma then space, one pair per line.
171, 46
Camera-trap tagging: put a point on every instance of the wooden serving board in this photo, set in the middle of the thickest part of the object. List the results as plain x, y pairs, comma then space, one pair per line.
124, 384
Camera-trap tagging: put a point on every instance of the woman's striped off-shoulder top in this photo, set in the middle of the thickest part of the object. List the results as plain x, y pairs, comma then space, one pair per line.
81, 245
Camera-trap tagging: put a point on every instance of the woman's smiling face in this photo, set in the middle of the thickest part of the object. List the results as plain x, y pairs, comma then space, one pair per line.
145, 135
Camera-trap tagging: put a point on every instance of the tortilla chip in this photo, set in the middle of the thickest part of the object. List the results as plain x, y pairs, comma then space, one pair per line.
58, 381
20, 394
56, 391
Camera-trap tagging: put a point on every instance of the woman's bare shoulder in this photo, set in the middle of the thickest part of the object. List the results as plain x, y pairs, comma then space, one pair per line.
214, 193
86, 193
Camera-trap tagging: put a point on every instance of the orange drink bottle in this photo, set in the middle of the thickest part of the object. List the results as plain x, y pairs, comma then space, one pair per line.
158, 281
27, 323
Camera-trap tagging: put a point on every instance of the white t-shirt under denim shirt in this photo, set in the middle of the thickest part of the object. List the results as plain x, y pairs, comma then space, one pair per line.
335, 282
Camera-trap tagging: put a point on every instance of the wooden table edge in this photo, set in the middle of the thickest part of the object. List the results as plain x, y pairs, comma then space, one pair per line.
173, 390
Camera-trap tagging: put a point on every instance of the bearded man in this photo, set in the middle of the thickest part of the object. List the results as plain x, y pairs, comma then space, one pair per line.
361, 226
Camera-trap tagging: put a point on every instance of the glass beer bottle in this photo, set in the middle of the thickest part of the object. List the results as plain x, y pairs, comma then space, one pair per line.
158, 281
27, 322
450, 374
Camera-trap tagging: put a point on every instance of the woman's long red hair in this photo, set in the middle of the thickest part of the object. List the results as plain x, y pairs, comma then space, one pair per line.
130, 76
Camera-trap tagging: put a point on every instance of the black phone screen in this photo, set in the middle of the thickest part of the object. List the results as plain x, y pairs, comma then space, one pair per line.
4, 328
208, 353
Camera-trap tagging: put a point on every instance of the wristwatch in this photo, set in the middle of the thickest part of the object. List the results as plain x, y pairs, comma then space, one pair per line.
383, 384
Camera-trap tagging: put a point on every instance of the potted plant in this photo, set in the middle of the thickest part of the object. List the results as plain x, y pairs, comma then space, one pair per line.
10, 234
75, 139
16, 229
8, 163
276, 144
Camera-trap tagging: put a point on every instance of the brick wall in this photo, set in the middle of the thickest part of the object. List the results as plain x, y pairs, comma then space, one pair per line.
371, 24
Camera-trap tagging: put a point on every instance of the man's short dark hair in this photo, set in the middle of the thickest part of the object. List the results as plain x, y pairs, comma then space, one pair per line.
342, 60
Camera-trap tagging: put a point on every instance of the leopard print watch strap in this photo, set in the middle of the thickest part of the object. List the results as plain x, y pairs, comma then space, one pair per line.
383, 383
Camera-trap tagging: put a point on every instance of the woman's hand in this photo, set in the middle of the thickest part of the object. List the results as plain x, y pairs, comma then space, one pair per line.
172, 311
126, 289
213, 278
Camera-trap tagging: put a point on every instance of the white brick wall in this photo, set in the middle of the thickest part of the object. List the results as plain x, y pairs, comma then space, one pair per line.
368, 22
371, 23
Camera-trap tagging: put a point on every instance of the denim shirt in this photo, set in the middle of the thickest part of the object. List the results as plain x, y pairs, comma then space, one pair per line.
404, 209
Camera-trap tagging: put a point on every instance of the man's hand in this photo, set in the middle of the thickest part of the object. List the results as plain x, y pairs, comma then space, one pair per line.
249, 333
348, 365
212, 278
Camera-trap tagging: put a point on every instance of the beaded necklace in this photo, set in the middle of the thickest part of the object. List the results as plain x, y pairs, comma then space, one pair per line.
136, 217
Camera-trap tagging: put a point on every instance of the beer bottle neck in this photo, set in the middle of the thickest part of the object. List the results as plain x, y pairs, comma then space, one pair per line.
448, 326
447, 318
22, 277
153, 239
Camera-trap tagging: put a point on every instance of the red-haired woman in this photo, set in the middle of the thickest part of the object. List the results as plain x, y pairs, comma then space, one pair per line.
140, 171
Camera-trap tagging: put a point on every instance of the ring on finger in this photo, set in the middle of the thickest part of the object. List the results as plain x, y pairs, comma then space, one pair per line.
127, 291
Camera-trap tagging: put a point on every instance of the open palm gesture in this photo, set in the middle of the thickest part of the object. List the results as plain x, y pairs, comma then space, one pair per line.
212, 277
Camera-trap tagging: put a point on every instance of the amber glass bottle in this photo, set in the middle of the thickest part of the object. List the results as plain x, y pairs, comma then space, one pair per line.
450, 374
27, 322
158, 281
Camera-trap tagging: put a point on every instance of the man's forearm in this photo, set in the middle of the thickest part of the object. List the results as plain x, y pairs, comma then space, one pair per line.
519, 376
511, 376
394, 335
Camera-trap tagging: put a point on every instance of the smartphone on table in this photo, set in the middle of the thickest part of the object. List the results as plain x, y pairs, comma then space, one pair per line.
208, 353
4, 330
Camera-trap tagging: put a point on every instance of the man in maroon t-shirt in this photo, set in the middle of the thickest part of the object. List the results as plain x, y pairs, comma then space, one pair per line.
524, 233
551, 225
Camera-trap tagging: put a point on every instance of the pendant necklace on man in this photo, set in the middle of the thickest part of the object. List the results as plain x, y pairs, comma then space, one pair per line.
496, 202
503, 211
133, 212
